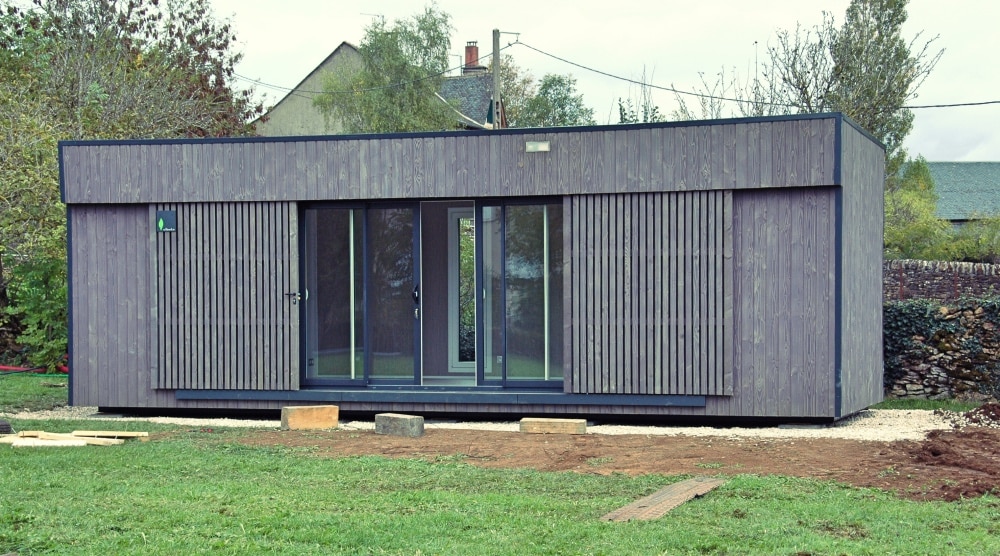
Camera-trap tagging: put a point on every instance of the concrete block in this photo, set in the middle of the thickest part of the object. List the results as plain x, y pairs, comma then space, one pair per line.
306, 417
553, 426
397, 424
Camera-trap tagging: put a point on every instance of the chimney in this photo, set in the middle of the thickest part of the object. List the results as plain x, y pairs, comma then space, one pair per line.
472, 59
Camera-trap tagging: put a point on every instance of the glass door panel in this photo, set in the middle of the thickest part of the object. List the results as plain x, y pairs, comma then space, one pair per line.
333, 304
394, 309
492, 292
533, 292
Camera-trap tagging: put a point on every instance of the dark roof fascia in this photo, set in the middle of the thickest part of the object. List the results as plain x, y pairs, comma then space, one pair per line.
295, 89
844, 118
433, 134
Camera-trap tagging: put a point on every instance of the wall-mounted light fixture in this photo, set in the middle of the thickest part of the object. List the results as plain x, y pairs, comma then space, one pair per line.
536, 146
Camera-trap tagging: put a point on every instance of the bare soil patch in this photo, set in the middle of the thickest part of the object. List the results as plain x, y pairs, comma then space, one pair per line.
919, 455
945, 465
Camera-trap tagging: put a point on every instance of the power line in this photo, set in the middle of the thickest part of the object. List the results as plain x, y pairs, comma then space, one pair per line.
308, 94
713, 97
954, 105
303, 93
641, 83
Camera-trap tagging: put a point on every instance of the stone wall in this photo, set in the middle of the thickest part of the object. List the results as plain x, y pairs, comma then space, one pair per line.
959, 359
940, 280
962, 357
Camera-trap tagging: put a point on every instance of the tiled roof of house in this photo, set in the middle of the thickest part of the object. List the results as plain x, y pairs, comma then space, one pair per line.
472, 93
966, 189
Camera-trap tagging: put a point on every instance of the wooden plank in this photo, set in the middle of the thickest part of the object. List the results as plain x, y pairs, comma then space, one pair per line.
636, 267
614, 363
603, 354
95, 326
657, 223
669, 286
569, 292
538, 425
42, 443
584, 291
711, 269
90, 441
697, 292
656, 505
111, 434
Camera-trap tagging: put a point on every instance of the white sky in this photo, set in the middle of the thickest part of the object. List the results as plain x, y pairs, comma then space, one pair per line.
672, 41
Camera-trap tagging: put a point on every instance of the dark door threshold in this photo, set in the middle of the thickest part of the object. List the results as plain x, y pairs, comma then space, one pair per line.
444, 396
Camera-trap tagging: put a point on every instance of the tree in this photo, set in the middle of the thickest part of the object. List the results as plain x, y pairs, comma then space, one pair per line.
641, 110
130, 68
518, 88
556, 104
86, 69
395, 89
912, 231
864, 68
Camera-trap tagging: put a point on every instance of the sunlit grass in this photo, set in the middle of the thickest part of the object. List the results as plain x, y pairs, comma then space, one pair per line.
33, 392
948, 404
205, 491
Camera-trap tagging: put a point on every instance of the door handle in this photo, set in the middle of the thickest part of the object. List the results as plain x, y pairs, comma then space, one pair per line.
296, 296
416, 293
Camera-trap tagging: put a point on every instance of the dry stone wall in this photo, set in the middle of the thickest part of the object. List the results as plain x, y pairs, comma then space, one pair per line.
959, 354
940, 280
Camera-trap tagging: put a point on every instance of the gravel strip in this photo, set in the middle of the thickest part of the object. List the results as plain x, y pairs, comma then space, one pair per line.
884, 425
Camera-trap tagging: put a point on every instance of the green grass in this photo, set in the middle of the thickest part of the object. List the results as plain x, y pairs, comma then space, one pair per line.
950, 405
32, 391
202, 491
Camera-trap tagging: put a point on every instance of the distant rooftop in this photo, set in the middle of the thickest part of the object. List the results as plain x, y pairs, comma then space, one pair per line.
473, 93
966, 189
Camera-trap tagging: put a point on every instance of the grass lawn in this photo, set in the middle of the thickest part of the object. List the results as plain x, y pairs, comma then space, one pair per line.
951, 405
32, 391
201, 490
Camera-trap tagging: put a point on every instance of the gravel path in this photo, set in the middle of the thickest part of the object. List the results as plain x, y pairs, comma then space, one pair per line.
881, 425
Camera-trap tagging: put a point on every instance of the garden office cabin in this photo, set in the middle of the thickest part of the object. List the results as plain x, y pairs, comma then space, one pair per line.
726, 268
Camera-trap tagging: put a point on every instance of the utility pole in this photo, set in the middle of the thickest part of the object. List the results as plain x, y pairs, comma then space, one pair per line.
496, 79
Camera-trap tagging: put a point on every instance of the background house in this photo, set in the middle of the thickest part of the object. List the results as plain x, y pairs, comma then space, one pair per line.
470, 94
295, 114
966, 189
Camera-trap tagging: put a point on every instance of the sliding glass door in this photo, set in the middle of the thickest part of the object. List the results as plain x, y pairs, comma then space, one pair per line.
333, 305
394, 300
360, 305
436, 294
522, 259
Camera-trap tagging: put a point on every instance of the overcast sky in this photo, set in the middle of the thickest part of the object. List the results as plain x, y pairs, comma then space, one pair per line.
671, 41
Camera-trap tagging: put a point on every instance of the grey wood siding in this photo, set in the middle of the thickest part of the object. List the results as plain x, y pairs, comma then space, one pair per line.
736, 260
221, 317
784, 308
648, 293
863, 169
111, 289
750, 154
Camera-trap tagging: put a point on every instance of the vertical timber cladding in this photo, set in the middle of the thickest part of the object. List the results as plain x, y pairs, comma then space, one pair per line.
226, 315
650, 299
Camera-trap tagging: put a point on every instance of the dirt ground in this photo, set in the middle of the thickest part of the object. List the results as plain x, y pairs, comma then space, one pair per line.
946, 465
